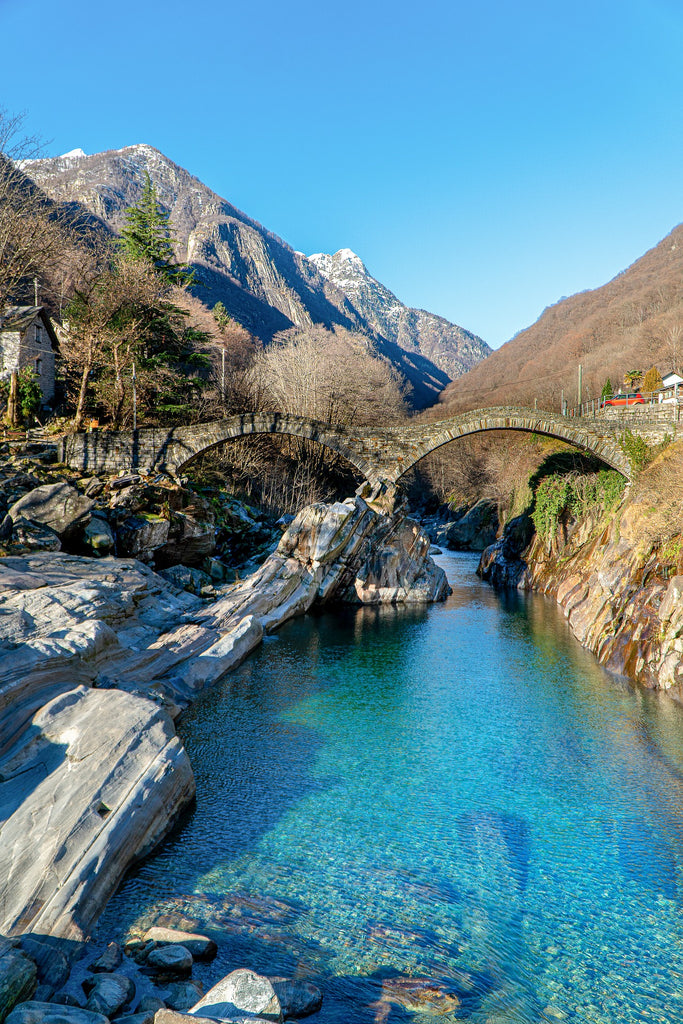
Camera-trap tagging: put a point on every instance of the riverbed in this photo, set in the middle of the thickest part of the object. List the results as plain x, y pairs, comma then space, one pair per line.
456, 793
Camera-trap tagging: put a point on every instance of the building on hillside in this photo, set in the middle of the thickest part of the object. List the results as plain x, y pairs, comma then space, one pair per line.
671, 390
28, 338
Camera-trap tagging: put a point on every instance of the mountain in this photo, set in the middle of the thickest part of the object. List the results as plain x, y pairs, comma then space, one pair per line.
451, 348
265, 285
633, 322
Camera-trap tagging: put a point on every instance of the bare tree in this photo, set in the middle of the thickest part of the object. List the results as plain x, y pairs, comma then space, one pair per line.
35, 234
330, 376
106, 326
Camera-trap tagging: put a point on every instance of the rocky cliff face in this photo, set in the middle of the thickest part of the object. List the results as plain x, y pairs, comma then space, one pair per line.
453, 349
263, 282
621, 592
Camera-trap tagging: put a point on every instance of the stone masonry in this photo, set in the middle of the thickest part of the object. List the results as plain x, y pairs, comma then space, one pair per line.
380, 454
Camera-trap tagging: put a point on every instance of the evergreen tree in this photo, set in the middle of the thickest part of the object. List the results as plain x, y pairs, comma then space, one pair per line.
147, 237
221, 315
607, 391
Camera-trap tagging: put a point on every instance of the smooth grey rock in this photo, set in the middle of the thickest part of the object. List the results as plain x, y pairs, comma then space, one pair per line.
108, 771
297, 998
476, 529
109, 993
108, 961
17, 980
58, 506
241, 993
201, 946
170, 959
183, 995
51, 1013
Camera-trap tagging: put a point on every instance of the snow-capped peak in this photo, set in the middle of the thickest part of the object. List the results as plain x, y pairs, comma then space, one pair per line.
348, 254
73, 154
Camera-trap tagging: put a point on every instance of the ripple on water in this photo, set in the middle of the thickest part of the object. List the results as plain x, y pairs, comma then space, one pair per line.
448, 812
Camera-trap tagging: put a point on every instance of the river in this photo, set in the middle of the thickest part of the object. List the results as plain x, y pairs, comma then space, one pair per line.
457, 793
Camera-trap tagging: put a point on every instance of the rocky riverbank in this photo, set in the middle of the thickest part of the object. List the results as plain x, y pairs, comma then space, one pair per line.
98, 655
617, 575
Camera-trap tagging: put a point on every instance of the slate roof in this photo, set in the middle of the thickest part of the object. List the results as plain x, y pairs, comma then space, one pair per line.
20, 318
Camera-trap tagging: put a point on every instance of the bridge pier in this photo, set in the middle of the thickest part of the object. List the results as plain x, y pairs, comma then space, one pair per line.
383, 496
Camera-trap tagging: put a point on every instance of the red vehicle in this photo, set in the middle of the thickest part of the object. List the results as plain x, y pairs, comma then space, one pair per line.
632, 398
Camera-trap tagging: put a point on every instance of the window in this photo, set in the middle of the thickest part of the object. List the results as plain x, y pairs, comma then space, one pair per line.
39, 363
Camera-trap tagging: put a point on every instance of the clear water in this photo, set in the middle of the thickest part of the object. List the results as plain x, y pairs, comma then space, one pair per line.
457, 794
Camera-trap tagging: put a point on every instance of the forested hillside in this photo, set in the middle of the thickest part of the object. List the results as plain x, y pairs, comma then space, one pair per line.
633, 322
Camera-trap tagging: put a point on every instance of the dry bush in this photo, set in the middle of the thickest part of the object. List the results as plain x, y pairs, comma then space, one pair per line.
658, 491
232, 351
328, 375
496, 465
282, 474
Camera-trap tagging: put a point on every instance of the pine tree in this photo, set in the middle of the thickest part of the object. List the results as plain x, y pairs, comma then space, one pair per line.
607, 391
147, 237
221, 315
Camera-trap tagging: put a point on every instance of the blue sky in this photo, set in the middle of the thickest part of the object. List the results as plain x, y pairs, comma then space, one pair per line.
483, 159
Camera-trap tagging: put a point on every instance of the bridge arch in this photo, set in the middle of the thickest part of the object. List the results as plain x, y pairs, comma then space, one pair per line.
585, 435
189, 442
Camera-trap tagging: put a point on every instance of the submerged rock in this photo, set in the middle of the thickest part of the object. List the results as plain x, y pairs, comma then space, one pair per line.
298, 999
183, 995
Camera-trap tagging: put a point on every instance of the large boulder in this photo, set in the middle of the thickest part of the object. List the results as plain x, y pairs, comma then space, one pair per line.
191, 538
140, 536
17, 979
51, 962
475, 530
297, 998
242, 993
108, 773
109, 993
53, 1013
170, 960
59, 506
200, 946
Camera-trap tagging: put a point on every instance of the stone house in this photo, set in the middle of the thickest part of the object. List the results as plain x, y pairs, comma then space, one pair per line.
28, 338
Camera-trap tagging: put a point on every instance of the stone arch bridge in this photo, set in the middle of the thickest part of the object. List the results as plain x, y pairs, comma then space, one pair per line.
381, 455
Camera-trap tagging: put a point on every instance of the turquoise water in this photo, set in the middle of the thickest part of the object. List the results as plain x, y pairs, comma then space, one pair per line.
456, 794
